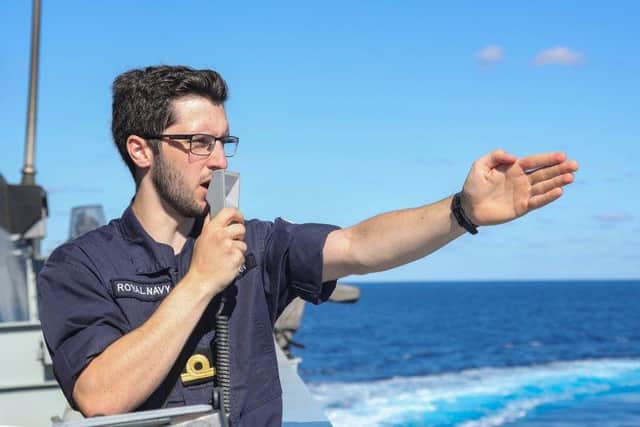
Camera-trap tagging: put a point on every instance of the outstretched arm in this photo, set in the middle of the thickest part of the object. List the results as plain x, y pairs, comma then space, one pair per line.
498, 189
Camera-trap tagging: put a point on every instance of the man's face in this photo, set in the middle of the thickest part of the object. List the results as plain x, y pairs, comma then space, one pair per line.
181, 178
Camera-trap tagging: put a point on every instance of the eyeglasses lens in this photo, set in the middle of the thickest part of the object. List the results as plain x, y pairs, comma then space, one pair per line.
203, 145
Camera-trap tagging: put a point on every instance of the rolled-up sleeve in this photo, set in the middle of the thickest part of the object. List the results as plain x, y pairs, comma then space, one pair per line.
78, 315
294, 262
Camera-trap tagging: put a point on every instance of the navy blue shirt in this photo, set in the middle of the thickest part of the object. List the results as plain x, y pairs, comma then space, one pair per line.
97, 288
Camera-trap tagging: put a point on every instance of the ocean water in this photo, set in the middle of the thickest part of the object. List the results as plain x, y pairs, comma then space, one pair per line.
478, 354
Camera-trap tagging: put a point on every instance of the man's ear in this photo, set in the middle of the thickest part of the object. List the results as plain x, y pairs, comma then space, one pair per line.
140, 151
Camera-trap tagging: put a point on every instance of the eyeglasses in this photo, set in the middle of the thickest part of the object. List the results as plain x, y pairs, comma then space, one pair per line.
201, 144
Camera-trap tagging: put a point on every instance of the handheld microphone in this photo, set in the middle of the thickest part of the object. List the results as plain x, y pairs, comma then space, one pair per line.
224, 192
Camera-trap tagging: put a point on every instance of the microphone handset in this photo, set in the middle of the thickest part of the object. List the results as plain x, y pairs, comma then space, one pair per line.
224, 192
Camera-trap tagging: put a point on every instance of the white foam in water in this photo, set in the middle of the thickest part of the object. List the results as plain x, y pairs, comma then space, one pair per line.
512, 412
485, 397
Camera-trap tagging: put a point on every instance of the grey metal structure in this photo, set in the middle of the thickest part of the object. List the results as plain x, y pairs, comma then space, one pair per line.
191, 416
29, 169
26, 377
29, 394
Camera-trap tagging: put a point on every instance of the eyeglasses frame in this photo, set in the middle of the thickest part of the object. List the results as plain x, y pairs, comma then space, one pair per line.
189, 137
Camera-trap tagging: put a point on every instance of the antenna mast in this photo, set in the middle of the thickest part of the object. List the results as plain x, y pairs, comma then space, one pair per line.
29, 170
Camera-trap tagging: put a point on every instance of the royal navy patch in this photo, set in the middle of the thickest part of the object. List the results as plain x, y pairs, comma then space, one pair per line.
123, 288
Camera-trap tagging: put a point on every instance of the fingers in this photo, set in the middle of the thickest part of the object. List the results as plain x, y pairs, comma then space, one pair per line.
551, 172
227, 216
547, 173
241, 246
230, 246
227, 224
550, 184
237, 256
235, 231
544, 160
541, 200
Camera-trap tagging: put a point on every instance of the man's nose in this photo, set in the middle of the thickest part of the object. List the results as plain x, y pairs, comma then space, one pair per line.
217, 159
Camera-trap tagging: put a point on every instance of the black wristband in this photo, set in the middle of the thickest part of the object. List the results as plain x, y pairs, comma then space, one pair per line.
461, 216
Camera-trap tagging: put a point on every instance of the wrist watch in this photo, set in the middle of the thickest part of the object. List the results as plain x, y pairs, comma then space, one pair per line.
461, 216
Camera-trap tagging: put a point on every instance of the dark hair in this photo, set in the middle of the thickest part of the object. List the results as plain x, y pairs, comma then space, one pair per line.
142, 100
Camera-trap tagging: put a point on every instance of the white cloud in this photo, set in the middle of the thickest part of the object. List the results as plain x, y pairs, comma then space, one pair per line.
490, 54
559, 55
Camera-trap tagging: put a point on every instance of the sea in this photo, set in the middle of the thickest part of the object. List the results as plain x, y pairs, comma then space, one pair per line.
477, 354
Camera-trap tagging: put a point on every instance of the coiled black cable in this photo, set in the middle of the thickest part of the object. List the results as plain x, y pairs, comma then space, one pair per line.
223, 356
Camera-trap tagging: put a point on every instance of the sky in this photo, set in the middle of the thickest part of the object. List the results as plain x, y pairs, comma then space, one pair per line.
348, 109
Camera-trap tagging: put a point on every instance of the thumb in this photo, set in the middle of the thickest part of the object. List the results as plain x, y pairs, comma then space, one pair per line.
207, 219
497, 158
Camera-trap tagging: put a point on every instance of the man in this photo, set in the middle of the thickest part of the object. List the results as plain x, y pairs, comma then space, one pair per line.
127, 310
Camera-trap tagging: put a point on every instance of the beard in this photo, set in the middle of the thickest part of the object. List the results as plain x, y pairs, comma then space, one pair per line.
169, 184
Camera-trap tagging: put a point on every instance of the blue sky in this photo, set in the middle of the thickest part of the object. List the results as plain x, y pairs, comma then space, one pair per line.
348, 109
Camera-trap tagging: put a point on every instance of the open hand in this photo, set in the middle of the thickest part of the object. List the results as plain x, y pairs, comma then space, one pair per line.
500, 187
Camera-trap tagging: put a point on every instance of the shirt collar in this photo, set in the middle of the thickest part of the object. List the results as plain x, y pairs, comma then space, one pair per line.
149, 256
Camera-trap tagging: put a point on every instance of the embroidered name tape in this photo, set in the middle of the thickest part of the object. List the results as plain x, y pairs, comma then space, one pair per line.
123, 288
